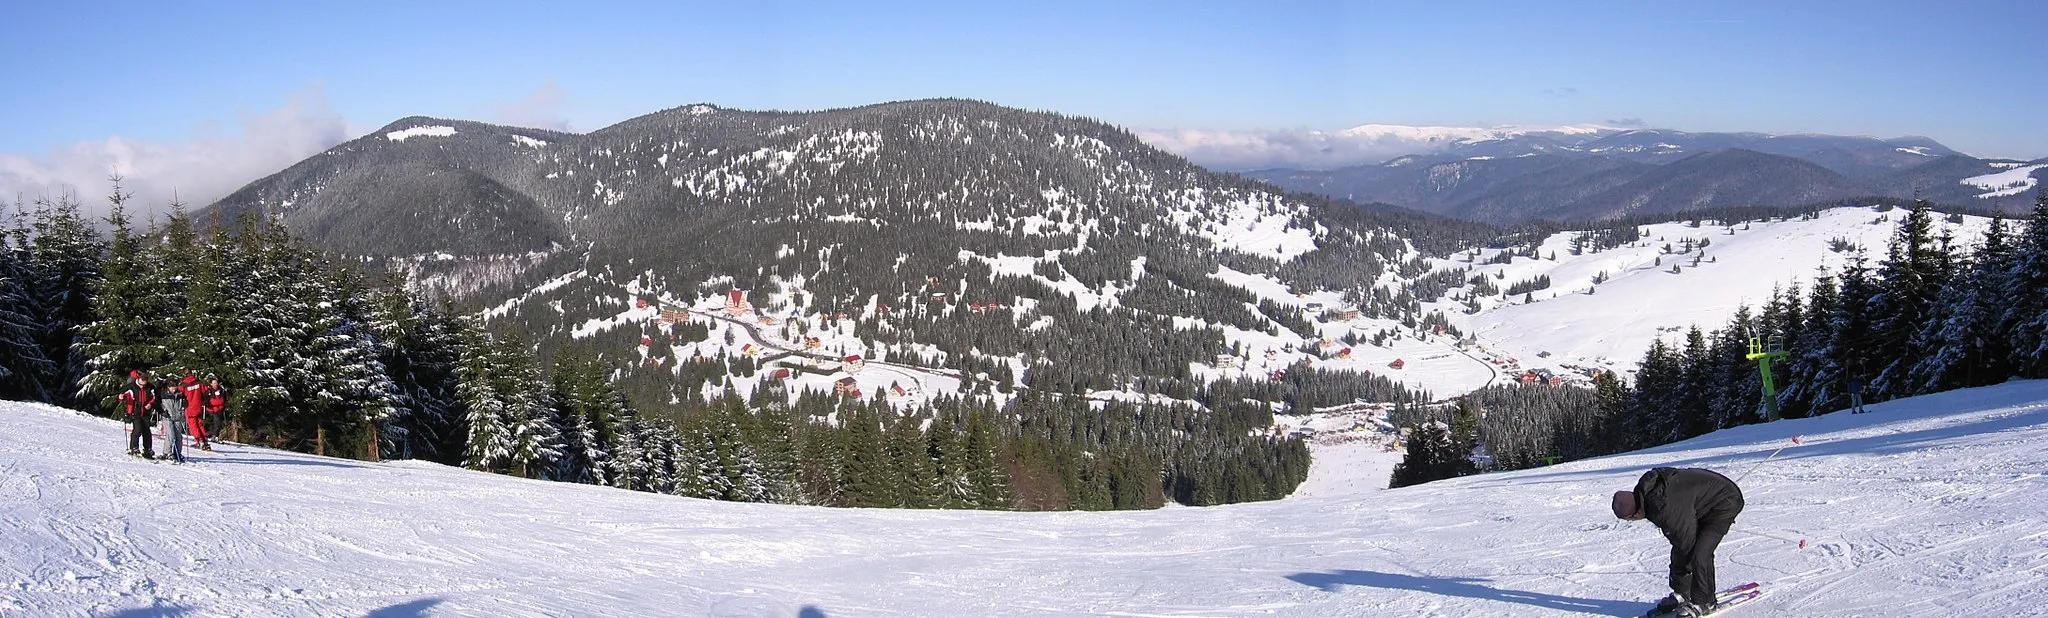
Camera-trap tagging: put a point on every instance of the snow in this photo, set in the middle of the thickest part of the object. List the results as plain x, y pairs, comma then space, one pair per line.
1643, 299
1918, 150
1930, 506
531, 142
435, 131
2014, 180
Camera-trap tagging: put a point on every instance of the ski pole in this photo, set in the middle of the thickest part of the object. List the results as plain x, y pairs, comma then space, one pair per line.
1774, 454
1800, 542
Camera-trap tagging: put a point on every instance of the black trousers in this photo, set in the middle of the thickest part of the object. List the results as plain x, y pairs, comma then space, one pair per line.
139, 430
1696, 583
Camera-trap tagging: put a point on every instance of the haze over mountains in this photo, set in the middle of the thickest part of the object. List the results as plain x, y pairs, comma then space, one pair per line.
1584, 173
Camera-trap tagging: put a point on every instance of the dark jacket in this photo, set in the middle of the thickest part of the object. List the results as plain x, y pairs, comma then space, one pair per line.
1685, 501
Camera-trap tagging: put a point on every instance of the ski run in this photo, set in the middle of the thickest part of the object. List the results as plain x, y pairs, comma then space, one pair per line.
1930, 506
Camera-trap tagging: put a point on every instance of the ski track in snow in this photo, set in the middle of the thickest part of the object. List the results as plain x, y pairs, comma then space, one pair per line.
1926, 507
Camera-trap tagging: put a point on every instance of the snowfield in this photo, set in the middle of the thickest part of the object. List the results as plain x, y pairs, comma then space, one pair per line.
1932, 506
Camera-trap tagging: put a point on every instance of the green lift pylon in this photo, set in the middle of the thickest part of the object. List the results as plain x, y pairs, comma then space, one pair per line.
1763, 355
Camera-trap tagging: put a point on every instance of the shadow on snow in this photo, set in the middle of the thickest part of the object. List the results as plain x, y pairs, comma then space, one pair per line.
1467, 587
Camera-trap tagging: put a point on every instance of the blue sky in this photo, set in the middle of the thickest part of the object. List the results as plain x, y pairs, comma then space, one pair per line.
193, 79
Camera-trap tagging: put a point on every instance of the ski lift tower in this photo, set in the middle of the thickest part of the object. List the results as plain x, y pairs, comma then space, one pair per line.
1763, 354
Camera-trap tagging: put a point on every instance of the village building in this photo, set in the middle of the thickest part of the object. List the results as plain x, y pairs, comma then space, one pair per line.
847, 386
1398, 363
853, 363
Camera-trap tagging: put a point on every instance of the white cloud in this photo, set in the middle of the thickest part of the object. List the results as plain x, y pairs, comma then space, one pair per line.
1249, 150
542, 109
1305, 149
197, 171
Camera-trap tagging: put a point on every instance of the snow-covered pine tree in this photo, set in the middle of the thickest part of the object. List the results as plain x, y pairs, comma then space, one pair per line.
65, 258
209, 338
490, 430
535, 432
356, 395
1912, 274
23, 368
424, 348
2026, 317
282, 316
1960, 345
123, 338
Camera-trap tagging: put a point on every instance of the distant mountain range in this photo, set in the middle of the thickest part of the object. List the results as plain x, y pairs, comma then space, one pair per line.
1580, 173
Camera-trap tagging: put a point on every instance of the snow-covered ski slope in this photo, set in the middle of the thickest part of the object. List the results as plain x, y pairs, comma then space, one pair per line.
1934, 506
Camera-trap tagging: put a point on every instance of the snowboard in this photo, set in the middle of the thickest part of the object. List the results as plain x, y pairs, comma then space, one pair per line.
1727, 598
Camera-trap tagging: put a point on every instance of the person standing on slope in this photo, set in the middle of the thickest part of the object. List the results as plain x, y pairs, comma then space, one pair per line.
173, 403
216, 405
195, 404
1694, 508
138, 401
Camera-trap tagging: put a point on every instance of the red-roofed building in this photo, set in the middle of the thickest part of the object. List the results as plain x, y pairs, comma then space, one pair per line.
1398, 363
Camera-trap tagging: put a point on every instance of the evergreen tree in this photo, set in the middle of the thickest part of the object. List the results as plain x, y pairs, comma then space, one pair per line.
123, 338
2026, 292
24, 370
65, 259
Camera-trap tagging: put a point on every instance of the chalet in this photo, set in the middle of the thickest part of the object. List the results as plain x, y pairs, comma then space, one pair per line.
813, 342
672, 316
847, 386
750, 349
897, 388
1555, 381
1276, 376
853, 363
646, 341
639, 303
1225, 361
767, 321
1344, 353
983, 307
1530, 378
781, 373
1397, 364
938, 297
1347, 315
736, 303
1326, 344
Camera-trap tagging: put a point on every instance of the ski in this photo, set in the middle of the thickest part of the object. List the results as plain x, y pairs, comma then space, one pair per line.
1726, 598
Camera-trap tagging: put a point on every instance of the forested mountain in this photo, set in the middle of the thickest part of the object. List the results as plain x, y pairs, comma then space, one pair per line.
1569, 176
1052, 270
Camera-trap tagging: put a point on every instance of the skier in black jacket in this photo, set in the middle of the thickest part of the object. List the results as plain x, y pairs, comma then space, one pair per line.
1694, 508
138, 401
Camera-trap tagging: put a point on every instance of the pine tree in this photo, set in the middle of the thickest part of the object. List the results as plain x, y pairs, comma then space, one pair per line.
2026, 291
123, 338
487, 410
24, 370
1960, 342
65, 257
1912, 274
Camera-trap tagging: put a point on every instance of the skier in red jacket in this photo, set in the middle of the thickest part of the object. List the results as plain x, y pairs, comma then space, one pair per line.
138, 401
216, 403
195, 404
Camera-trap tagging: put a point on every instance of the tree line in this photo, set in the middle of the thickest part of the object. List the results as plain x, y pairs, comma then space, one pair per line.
1929, 316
